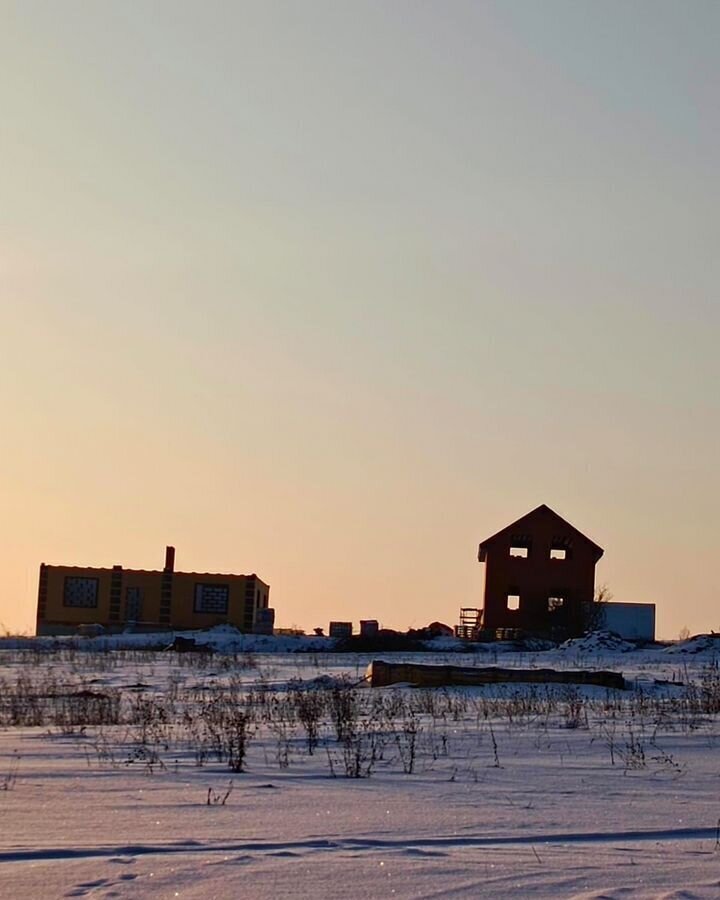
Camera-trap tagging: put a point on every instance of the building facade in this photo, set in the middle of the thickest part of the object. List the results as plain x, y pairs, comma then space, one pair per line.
539, 576
73, 598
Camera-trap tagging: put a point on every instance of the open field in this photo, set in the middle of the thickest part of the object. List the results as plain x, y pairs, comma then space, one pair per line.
133, 773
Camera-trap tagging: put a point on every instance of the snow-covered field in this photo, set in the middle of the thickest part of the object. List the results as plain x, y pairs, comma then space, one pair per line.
136, 773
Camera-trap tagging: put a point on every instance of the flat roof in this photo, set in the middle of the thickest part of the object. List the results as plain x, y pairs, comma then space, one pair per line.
110, 569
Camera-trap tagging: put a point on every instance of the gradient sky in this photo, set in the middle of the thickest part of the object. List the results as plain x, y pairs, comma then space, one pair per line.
332, 291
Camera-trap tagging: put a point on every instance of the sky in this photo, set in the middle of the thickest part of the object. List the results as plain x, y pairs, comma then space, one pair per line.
332, 291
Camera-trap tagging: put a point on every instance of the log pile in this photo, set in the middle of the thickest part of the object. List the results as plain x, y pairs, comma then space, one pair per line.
382, 674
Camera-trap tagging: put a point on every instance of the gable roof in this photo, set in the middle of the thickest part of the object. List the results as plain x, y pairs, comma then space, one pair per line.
543, 509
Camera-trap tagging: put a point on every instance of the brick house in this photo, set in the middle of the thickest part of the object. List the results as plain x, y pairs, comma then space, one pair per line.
539, 575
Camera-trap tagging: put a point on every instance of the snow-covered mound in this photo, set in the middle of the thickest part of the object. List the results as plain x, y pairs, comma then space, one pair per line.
221, 638
447, 644
19, 642
597, 642
700, 643
537, 645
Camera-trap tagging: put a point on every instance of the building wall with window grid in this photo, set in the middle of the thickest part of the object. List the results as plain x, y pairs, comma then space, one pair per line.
167, 599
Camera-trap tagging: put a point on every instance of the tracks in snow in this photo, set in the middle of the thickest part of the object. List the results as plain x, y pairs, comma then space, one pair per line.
454, 842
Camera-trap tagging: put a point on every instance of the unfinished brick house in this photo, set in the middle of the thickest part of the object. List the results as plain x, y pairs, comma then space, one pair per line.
539, 576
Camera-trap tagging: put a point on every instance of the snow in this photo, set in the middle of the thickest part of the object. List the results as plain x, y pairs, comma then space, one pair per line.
515, 790
597, 642
701, 643
222, 638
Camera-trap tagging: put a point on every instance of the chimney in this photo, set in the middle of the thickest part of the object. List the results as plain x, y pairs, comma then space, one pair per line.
169, 559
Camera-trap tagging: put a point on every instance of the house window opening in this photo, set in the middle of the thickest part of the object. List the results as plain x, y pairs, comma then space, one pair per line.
521, 552
133, 604
212, 598
80, 592
513, 602
555, 603
558, 553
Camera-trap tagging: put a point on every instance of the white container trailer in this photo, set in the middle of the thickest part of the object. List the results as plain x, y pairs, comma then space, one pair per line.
632, 621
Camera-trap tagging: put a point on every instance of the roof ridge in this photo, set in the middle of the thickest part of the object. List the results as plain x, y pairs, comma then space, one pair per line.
537, 509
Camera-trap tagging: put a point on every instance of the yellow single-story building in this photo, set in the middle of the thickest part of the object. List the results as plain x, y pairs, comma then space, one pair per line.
73, 599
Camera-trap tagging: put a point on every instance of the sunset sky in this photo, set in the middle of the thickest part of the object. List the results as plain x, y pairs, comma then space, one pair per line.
331, 291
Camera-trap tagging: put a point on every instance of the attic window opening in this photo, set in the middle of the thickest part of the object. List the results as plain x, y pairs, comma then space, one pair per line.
513, 602
558, 553
555, 603
522, 552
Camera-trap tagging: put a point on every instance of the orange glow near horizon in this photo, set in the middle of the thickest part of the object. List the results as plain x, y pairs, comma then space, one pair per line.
333, 297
